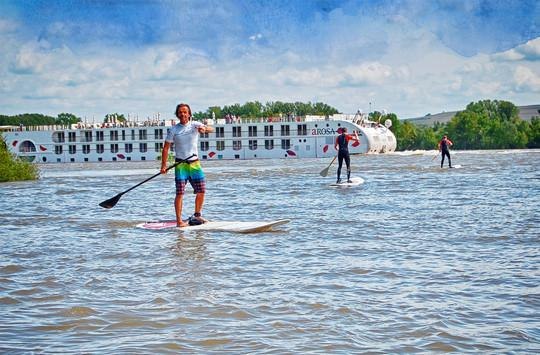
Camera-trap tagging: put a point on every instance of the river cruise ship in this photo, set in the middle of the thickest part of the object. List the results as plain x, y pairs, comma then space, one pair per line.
273, 137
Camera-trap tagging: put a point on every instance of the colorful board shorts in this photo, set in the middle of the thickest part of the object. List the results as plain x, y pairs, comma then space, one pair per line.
191, 172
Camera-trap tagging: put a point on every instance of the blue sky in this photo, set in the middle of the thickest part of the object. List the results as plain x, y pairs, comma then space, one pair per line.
142, 57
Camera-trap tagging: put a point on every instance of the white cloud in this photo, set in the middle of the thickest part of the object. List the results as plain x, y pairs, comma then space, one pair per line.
526, 80
528, 51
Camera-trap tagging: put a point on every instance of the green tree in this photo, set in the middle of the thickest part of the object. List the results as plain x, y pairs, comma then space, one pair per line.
67, 119
534, 133
13, 168
407, 137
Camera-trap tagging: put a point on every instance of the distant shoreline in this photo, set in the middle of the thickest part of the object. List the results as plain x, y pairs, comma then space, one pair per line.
525, 113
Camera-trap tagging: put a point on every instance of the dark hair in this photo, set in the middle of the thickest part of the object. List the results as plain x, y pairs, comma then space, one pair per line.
178, 107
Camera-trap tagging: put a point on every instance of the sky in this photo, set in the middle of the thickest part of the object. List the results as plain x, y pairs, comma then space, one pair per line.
143, 57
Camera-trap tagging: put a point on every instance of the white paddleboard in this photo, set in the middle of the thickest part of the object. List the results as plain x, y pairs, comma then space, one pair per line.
354, 182
458, 166
223, 226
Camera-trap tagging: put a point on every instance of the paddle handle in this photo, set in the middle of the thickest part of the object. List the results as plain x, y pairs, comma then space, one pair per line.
150, 178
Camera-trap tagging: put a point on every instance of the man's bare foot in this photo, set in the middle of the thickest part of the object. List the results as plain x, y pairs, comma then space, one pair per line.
181, 224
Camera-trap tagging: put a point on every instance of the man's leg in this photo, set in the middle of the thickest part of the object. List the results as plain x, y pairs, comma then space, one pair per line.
340, 164
348, 163
199, 201
178, 209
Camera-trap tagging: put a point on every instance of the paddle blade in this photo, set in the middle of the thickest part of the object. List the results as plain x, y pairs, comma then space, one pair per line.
324, 173
110, 203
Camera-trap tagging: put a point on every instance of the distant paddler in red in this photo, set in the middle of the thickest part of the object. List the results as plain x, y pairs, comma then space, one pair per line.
444, 148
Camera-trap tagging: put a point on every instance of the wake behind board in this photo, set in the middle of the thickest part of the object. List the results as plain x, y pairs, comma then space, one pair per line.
221, 226
354, 182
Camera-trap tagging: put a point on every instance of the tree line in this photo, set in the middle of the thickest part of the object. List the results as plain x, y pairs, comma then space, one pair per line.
255, 109
37, 119
486, 124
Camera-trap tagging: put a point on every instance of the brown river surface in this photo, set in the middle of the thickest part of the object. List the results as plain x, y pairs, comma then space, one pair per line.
417, 259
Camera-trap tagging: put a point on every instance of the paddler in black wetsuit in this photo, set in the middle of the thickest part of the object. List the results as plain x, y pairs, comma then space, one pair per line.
444, 148
342, 146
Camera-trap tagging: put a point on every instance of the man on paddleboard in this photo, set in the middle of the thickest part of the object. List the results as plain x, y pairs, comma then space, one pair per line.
342, 146
185, 136
444, 148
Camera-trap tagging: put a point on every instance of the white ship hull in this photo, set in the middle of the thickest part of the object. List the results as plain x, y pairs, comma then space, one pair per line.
309, 137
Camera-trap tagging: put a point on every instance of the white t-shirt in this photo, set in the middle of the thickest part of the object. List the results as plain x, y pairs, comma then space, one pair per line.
184, 138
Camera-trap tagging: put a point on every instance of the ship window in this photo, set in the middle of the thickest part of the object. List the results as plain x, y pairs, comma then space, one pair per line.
269, 131
158, 133
252, 131
253, 144
143, 147
100, 148
99, 136
100, 159
237, 145
237, 131
113, 135
132, 134
26, 147
71, 136
158, 146
58, 137
302, 130
86, 148
204, 146
269, 144
237, 156
143, 158
114, 148
285, 130
128, 148
220, 145
142, 135
72, 149
87, 137
285, 144
57, 149
220, 132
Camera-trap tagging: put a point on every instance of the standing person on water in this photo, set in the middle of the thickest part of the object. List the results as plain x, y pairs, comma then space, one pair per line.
185, 136
444, 148
342, 146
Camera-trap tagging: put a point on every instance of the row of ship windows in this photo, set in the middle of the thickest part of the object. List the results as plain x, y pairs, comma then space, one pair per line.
88, 136
143, 147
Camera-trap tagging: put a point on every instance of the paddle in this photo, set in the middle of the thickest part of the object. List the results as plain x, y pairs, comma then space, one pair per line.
110, 203
324, 172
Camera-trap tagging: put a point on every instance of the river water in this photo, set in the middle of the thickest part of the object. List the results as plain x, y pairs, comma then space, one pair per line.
417, 259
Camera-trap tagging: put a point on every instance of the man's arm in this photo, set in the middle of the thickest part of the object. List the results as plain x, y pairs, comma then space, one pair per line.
206, 129
165, 157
